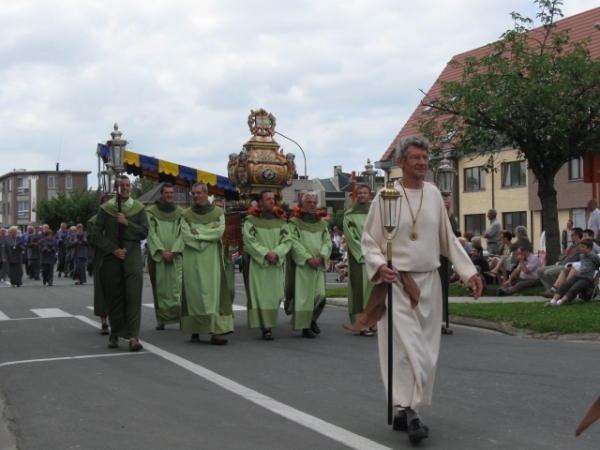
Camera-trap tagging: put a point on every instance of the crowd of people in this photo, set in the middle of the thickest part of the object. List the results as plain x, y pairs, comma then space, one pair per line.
510, 262
284, 260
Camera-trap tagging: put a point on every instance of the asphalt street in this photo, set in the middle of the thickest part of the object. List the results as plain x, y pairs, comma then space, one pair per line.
63, 389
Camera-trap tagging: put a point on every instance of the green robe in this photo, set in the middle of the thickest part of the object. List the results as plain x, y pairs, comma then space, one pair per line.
164, 234
205, 302
308, 241
105, 236
358, 280
100, 308
265, 281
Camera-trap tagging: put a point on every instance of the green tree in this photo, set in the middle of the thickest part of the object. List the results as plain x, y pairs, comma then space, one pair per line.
78, 206
536, 90
140, 186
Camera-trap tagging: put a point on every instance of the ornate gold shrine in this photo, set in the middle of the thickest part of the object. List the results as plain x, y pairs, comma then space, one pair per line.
261, 164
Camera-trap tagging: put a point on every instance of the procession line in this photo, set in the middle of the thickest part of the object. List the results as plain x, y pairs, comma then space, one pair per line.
334, 432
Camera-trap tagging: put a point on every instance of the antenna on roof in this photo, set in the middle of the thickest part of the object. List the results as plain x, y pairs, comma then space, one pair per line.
59, 147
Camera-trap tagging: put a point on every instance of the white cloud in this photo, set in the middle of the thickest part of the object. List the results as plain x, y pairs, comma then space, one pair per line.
180, 77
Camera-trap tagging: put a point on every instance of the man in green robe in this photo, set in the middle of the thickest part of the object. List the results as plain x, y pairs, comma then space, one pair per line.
100, 309
121, 266
267, 241
311, 247
205, 302
165, 261
358, 280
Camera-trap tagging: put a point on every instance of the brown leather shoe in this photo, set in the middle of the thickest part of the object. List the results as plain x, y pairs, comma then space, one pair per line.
113, 342
134, 345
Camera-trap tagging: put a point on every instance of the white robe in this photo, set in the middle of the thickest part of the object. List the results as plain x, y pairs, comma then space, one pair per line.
417, 332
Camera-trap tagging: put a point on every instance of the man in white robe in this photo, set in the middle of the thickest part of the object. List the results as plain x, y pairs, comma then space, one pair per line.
423, 233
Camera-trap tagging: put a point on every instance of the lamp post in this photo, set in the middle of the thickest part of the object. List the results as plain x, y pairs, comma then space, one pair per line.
369, 176
444, 177
115, 167
391, 203
303, 154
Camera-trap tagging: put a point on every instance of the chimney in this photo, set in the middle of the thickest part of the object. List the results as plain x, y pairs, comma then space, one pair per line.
337, 170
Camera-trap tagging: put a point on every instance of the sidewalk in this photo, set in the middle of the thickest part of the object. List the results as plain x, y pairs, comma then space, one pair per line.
506, 299
499, 327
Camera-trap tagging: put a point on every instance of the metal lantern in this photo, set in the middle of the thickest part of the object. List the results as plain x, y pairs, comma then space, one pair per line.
390, 207
108, 180
444, 177
116, 148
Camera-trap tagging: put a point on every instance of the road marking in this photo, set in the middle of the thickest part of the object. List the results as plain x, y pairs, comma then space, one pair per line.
50, 313
26, 361
334, 432
148, 305
3, 316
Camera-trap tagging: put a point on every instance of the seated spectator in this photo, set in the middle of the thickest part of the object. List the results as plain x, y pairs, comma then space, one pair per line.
340, 266
526, 271
468, 245
501, 263
571, 269
477, 241
583, 279
549, 275
508, 264
502, 249
478, 258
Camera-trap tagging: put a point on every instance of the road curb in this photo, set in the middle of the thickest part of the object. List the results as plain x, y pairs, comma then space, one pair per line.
501, 327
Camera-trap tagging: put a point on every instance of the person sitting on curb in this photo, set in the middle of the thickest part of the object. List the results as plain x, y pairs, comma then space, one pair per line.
571, 269
583, 279
549, 274
522, 240
527, 265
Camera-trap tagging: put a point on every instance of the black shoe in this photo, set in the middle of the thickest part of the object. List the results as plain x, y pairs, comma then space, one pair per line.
307, 333
314, 327
417, 431
501, 293
401, 422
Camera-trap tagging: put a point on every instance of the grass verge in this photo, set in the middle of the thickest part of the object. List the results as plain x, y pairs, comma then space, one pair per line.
580, 317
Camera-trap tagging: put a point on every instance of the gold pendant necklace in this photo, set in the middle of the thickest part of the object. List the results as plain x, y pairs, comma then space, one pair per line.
413, 236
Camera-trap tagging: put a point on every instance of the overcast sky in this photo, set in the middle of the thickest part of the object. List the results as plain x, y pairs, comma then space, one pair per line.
180, 77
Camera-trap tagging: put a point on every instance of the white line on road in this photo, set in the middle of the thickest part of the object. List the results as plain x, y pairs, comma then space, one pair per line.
26, 361
49, 313
3, 316
336, 433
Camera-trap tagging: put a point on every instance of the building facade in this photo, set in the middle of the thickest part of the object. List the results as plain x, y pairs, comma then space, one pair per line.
20, 192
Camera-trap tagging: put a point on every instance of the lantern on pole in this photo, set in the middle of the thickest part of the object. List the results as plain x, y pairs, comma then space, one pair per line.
391, 203
444, 178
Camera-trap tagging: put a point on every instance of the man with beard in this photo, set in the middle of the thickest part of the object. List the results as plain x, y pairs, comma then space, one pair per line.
121, 268
267, 241
358, 280
165, 263
205, 302
311, 247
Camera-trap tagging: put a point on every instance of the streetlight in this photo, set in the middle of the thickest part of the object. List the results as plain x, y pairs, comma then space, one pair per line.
369, 175
444, 177
391, 203
303, 154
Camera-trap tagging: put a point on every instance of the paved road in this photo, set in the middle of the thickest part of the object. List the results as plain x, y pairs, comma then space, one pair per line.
63, 389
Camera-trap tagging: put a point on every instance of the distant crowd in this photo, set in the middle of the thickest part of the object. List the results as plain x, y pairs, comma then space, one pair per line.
509, 261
